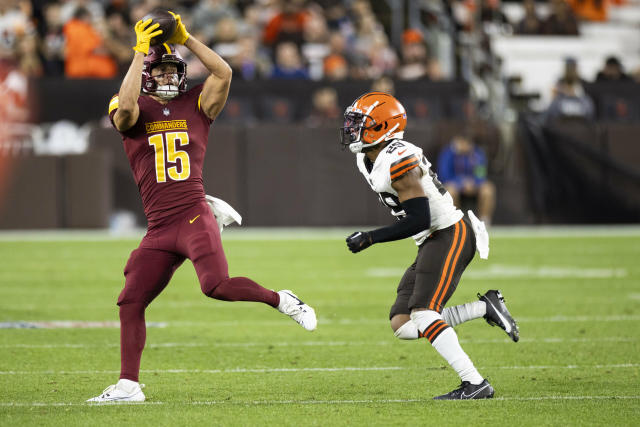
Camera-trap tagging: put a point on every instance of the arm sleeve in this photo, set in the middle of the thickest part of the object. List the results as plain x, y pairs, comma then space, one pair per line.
417, 219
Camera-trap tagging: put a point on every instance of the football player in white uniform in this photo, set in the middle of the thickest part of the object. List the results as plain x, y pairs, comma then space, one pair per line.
447, 239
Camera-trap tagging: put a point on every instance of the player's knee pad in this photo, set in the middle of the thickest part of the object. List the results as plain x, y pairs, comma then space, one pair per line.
408, 331
429, 323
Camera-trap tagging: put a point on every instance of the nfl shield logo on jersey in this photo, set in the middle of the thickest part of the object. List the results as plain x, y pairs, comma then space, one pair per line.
166, 111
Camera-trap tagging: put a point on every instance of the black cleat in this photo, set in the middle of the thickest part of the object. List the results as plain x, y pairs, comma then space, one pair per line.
469, 391
497, 314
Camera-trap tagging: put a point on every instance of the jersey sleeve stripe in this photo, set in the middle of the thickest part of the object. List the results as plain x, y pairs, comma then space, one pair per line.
113, 104
199, 97
403, 166
403, 161
400, 173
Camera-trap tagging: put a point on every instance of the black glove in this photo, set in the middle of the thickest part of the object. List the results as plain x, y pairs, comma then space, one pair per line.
359, 241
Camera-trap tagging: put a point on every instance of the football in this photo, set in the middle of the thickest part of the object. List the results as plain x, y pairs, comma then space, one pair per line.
167, 24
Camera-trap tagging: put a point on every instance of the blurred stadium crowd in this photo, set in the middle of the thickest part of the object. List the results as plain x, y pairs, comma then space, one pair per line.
473, 70
317, 40
276, 39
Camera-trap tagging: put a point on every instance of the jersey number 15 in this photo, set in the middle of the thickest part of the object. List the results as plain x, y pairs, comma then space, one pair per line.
170, 140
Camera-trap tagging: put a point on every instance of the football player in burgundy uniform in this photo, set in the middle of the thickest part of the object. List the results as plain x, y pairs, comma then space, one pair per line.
447, 239
164, 135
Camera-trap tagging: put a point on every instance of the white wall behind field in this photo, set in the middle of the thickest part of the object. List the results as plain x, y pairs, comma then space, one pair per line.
539, 60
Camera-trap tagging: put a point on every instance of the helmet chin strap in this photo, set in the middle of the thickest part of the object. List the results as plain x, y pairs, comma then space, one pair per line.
357, 147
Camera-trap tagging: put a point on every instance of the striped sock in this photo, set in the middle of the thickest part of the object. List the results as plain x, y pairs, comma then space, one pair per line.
444, 339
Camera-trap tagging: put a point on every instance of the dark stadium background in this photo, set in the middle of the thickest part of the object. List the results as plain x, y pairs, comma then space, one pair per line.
482, 72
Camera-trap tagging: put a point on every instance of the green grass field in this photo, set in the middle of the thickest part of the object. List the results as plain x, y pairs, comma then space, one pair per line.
576, 297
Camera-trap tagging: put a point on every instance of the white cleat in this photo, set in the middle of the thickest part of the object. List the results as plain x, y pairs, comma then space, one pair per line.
292, 306
121, 392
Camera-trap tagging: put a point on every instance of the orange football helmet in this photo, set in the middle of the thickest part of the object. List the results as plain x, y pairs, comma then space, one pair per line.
372, 118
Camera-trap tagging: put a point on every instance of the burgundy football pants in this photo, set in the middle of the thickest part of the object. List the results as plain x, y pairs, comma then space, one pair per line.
192, 234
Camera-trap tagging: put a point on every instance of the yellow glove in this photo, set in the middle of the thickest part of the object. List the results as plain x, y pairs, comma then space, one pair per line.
180, 35
144, 34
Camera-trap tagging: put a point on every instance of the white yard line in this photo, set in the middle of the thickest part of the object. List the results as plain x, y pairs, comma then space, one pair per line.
337, 369
321, 343
213, 371
52, 324
304, 402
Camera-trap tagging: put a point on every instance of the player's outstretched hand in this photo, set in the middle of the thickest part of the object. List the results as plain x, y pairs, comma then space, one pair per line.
180, 35
144, 34
359, 241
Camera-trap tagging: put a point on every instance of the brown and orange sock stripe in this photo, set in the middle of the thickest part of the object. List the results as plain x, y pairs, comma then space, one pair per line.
434, 330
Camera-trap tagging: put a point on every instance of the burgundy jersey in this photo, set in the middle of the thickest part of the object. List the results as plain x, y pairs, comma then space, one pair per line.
166, 149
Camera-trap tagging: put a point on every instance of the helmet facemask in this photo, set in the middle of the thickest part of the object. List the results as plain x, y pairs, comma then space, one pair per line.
355, 122
351, 131
171, 87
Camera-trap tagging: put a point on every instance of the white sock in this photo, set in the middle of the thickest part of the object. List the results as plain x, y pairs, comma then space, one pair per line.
463, 313
448, 346
408, 331
446, 343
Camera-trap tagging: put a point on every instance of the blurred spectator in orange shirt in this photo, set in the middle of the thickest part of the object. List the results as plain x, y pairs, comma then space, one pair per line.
335, 67
590, 10
288, 25
85, 54
416, 63
337, 64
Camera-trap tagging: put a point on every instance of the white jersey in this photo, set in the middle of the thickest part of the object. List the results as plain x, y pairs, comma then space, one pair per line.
398, 158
